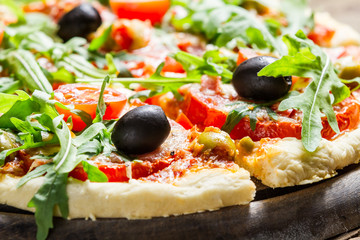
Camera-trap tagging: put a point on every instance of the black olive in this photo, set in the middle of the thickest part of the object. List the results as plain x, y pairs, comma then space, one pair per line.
79, 22
250, 86
141, 130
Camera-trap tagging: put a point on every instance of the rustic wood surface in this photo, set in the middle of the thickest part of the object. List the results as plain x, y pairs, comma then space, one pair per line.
318, 211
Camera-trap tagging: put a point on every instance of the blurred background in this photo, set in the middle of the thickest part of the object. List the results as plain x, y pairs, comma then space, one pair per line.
346, 11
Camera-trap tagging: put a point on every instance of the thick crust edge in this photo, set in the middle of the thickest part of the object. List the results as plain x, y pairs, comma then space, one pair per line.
208, 189
287, 163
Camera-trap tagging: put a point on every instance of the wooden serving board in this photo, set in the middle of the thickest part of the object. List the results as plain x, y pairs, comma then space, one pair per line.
317, 211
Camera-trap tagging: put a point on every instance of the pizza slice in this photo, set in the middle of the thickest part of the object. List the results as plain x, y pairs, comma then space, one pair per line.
189, 172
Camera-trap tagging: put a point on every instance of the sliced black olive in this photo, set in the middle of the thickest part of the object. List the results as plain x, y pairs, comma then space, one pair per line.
250, 86
79, 22
141, 130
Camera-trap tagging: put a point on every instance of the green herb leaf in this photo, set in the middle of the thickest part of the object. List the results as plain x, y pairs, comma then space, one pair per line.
196, 66
88, 134
7, 101
222, 23
23, 64
9, 85
90, 148
145, 94
65, 161
98, 42
94, 174
305, 59
25, 127
52, 193
20, 110
37, 172
101, 106
245, 109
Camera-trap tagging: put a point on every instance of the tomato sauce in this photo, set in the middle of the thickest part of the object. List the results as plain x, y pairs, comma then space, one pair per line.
170, 161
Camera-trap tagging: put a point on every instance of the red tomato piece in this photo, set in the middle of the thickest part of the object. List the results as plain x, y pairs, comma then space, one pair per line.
121, 36
85, 97
184, 121
205, 110
154, 10
321, 35
1, 35
171, 65
244, 54
117, 172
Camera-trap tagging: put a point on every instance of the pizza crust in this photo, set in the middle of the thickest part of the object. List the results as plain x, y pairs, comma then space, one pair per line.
287, 163
207, 189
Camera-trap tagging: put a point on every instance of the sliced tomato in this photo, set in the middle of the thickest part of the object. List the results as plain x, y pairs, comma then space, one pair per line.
121, 36
154, 10
184, 121
85, 97
209, 110
171, 65
321, 35
244, 54
1, 35
117, 172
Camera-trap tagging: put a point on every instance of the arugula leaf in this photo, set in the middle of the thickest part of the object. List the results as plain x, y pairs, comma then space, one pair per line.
89, 134
20, 110
46, 106
105, 139
38, 41
52, 193
305, 59
37, 172
352, 81
8, 100
9, 85
85, 117
98, 42
24, 66
222, 23
156, 82
101, 106
94, 174
246, 110
145, 94
196, 66
26, 128
90, 148
65, 161
26, 31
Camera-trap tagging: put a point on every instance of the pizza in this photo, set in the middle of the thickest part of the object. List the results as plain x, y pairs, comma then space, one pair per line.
144, 109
